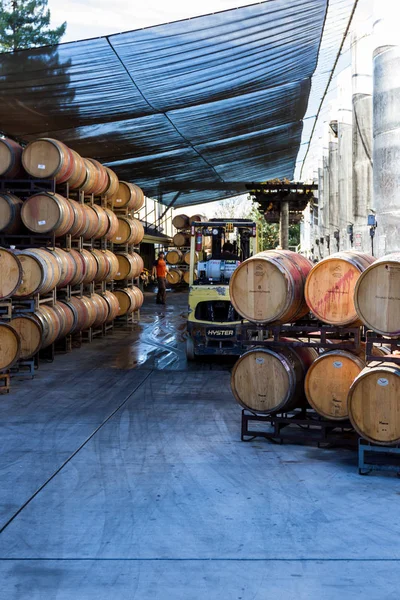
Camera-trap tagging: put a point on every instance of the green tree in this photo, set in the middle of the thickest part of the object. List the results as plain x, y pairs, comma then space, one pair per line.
25, 24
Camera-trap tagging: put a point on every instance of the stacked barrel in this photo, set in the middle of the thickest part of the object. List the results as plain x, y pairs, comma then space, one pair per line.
178, 257
66, 249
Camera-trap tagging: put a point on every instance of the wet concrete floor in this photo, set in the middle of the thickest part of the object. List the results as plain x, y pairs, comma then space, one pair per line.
122, 476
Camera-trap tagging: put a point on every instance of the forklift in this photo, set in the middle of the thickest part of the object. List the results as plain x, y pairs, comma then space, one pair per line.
213, 326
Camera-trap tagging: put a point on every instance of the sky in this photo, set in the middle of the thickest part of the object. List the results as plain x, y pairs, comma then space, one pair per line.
93, 18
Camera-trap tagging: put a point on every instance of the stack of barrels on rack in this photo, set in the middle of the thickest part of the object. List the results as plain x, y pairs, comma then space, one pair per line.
91, 207
178, 257
345, 290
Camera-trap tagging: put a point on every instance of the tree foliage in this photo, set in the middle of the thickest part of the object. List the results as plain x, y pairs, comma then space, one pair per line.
26, 24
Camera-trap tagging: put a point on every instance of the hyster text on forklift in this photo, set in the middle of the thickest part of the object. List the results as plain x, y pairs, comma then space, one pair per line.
213, 324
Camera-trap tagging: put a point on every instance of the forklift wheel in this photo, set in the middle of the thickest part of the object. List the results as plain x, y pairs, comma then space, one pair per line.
190, 355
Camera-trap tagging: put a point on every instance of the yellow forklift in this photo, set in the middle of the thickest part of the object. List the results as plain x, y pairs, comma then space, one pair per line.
220, 245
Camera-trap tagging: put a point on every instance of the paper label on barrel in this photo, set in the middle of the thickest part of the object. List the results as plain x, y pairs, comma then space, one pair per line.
337, 364
382, 381
260, 361
41, 166
118, 238
118, 200
118, 273
41, 222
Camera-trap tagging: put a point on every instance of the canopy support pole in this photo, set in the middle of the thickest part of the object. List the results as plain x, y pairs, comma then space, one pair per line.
284, 224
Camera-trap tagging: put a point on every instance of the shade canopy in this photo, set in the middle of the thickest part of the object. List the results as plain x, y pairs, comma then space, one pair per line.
218, 98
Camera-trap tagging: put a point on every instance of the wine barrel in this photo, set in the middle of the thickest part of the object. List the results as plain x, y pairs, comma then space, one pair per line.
91, 181
112, 187
10, 213
129, 299
10, 273
10, 346
102, 179
266, 380
78, 176
46, 212
113, 264
91, 266
186, 258
80, 312
112, 224
67, 266
81, 219
174, 257
377, 295
41, 272
29, 330
10, 159
329, 289
103, 264
181, 239
113, 305
66, 319
174, 276
200, 218
130, 231
91, 309
92, 222
103, 222
186, 276
129, 196
373, 403
181, 221
130, 265
81, 267
269, 287
46, 158
101, 307
50, 323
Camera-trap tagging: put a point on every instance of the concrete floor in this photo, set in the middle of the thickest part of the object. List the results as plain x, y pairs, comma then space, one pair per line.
122, 476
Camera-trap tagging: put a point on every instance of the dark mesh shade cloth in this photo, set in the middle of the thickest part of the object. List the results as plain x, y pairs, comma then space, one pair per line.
211, 99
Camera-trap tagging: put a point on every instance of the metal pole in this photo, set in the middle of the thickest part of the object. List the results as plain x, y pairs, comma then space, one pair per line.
284, 224
191, 266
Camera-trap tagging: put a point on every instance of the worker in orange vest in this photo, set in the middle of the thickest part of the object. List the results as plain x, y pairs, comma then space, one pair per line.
160, 271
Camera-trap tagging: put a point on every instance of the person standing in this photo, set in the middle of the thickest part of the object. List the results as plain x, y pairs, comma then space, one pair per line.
160, 271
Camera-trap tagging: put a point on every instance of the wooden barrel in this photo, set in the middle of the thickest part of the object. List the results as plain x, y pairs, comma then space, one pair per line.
41, 272
78, 176
80, 312
329, 289
174, 257
200, 218
10, 213
103, 265
112, 224
113, 305
50, 323
101, 307
129, 196
66, 319
67, 266
130, 265
181, 239
46, 158
377, 295
46, 212
181, 221
102, 179
266, 380
92, 222
91, 309
10, 273
186, 276
186, 258
373, 403
91, 266
80, 267
103, 222
29, 330
81, 219
269, 287
10, 346
113, 264
174, 276
10, 159
112, 187
130, 231
129, 299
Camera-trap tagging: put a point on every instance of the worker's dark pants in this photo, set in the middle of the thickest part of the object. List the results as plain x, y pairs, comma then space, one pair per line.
162, 290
